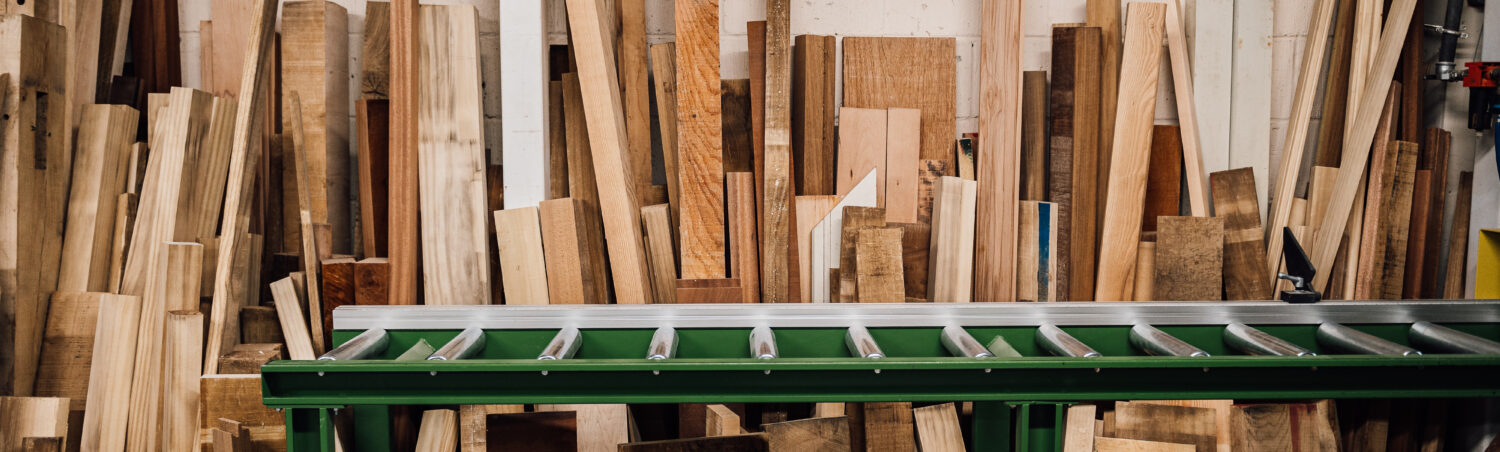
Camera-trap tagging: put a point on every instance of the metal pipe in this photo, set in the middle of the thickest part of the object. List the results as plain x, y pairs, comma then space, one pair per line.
1448, 340
663, 344
1058, 342
861, 344
563, 345
466, 344
1448, 35
961, 344
370, 342
1256, 342
1156, 342
1348, 339
763, 343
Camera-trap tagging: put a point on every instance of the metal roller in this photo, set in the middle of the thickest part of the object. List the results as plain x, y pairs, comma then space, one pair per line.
366, 344
1256, 342
1348, 339
1060, 343
467, 343
763, 343
1440, 338
563, 345
663, 344
1156, 342
961, 344
861, 344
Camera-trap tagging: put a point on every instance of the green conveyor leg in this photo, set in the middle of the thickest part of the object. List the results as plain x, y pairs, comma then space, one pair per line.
309, 430
372, 428
991, 427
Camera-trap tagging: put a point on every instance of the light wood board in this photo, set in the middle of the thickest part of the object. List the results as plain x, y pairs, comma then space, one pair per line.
951, 255
998, 163
518, 233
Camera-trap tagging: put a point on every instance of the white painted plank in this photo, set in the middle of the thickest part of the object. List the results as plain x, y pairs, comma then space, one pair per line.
826, 235
1250, 109
523, 102
1211, 36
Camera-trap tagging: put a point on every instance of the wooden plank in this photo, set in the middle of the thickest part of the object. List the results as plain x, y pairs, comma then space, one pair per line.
1034, 136
1367, 281
1079, 433
235, 439
701, 173
855, 219
952, 251
1261, 427
1395, 220
523, 102
1166, 423
664, 75
1163, 177
572, 276
451, 150
1105, 444
622, 223
312, 247
1187, 113
738, 146
938, 428
1337, 89
1458, 242
601, 427
404, 179
373, 118
474, 422
1190, 259
810, 209
1222, 411
1440, 143
375, 54
862, 149
1356, 154
259, 325
825, 236
1105, 15
105, 136
1416, 237
557, 143
928, 173
109, 373
211, 165
35, 208
123, 228
818, 434
243, 160
902, 143
878, 253
1244, 255
721, 421
920, 73
1316, 426
372, 281
518, 232
632, 45
887, 426
1128, 169
183, 365
721, 290
1145, 272
813, 108
67, 347
339, 289
1075, 99
44, 417
998, 163
744, 248
439, 431
755, 442
916, 240
1036, 259
319, 72
1319, 184
658, 227
293, 325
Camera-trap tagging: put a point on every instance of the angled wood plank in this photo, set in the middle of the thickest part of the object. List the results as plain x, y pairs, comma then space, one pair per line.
1244, 256
1311, 74
1440, 143
920, 73
813, 108
1075, 98
100, 162
1395, 221
810, 210
244, 158
518, 233
862, 149
1336, 91
658, 227
778, 250
319, 71
618, 201
825, 236
452, 159
1130, 160
293, 325
1458, 242
1187, 112
664, 76
951, 255
313, 247
999, 151
938, 428
206, 196
573, 276
405, 256
1371, 249
523, 105
634, 75
701, 172
1189, 259
439, 431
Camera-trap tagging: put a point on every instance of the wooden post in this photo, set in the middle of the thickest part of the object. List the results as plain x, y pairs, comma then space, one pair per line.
1000, 150
184, 361
317, 68
405, 252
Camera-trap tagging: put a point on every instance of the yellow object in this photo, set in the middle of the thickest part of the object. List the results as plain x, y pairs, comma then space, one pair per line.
1487, 272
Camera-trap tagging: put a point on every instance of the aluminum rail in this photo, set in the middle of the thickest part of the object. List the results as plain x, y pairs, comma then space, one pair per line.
934, 315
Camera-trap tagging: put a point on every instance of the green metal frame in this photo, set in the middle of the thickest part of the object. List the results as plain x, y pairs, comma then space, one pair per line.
713, 366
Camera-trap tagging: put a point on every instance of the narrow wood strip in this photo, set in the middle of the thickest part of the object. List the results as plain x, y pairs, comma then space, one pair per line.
312, 247
1396, 220
100, 163
903, 142
916, 240
125, 207
778, 249
663, 68
1336, 89
1033, 136
738, 146
1163, 177
1458, 242
339, 289
1145, 272
743, 247
999, 150
373, 119
1187, 113
1121, 228
1036, 261
1416, 238
618, 202
810, 210
813, 107
1105, 14
557, 143
375, 54
404, 183
1377, 195
659, 253
1075, 109
1318, 190
183, 363
1439, 145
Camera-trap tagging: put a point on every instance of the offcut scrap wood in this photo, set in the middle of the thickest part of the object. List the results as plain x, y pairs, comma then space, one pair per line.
473, 422
826, 236
22, 417
820, 434
101, 160
938, 428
